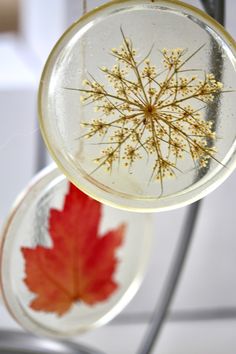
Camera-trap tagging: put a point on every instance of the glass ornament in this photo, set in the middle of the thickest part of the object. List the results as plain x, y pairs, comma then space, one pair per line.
137, 104
69, 263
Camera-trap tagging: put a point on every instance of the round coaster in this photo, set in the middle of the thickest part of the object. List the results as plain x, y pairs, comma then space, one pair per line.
69, 263
137, 104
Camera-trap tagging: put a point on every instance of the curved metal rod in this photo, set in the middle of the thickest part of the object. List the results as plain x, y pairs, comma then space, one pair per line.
167, 294
216, 9
14, 342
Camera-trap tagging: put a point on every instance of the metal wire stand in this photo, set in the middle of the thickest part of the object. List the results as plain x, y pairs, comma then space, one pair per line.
214, 8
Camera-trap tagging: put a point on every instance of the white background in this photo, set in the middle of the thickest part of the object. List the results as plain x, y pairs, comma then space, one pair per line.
209, 279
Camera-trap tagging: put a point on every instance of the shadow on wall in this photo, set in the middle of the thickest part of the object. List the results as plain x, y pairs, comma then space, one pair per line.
9, 19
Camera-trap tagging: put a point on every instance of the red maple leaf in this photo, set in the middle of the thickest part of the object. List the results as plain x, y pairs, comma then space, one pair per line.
80, 265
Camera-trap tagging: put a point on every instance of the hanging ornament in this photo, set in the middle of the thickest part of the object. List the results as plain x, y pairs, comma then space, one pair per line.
137, 104
68, 263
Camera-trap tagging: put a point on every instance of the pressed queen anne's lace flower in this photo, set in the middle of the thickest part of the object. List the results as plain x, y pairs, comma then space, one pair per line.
149, 111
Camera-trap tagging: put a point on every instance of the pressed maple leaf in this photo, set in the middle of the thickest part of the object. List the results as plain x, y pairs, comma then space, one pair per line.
81, 263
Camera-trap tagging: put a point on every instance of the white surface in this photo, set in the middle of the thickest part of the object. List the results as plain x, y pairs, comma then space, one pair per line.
177, 338
197, 337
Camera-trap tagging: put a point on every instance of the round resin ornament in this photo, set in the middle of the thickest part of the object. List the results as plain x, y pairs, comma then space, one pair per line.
69, 263
137, 104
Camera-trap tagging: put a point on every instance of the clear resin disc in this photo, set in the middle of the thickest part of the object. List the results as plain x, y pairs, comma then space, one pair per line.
69, 263
137, 104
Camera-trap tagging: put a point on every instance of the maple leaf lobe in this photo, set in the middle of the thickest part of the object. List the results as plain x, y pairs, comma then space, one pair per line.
81, 263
